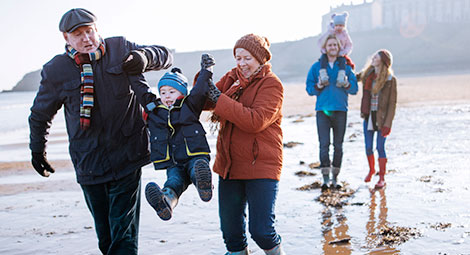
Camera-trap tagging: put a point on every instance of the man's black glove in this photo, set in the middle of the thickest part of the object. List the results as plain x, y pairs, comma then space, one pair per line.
40, 164
135, 62
207, 61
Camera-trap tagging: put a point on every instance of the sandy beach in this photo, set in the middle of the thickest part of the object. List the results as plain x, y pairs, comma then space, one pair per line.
427, 187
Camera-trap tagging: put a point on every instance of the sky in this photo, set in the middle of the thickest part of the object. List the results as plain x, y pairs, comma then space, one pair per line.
31, 37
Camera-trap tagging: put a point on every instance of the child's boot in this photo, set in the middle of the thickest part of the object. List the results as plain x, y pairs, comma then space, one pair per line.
326, 178
244, 252
162, 200
277, 250
203, 183
324, 79
334, 182
371, 160
382, 170
341, 80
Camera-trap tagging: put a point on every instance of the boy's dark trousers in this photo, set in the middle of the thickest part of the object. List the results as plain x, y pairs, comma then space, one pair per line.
181, 175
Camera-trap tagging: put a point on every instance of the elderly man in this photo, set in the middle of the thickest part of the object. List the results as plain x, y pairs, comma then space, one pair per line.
99, 83
331, 107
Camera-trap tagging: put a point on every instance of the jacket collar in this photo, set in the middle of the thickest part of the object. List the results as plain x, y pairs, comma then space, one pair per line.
178, 103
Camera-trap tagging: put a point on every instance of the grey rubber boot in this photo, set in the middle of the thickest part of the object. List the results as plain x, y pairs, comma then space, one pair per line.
334, 182
324, 79
341, 80
277, 250
244, 252
326, 178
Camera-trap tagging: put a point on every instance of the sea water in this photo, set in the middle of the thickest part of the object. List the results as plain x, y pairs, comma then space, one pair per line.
14, 128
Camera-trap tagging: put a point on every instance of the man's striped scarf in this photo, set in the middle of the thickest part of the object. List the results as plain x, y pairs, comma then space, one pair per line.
86, 89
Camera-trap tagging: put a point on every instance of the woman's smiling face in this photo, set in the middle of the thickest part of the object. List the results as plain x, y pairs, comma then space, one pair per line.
246, 62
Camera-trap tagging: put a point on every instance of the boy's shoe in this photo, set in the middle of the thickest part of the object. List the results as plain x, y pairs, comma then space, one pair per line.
203, 183
324, 79
342, 80
163, 201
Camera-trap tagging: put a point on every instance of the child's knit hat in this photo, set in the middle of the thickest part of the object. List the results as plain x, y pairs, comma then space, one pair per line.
174, 79
340, 19
258, 46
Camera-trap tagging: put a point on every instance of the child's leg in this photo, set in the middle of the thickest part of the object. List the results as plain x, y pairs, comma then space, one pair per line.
323, 74
201, 176
342, 80
164, 200
323, 61
342, 63
177, 179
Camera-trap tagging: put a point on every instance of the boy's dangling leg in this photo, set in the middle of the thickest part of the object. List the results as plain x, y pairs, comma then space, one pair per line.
162, 200
202, 178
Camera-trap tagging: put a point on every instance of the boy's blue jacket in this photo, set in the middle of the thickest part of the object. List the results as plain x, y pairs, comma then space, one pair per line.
176, 134
331, 98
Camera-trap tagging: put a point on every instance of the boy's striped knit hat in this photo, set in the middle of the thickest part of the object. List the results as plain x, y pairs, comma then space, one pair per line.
176, 80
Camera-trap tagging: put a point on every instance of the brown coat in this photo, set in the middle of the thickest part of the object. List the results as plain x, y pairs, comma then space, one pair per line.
249, 144
386, 105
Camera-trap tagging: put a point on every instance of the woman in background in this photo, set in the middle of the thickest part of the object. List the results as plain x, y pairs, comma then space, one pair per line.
379, 99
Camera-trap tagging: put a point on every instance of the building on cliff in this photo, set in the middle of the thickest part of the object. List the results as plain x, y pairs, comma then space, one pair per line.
407, 15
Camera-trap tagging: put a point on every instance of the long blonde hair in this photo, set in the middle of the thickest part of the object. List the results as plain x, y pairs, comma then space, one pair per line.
384, 72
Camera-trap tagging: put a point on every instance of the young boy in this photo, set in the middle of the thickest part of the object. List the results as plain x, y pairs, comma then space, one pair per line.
338, 28
177, 138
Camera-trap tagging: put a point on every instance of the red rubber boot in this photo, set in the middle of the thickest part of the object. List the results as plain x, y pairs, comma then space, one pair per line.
383, 169
371, 160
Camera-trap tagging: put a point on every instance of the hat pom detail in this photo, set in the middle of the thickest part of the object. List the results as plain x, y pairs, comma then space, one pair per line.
176, 70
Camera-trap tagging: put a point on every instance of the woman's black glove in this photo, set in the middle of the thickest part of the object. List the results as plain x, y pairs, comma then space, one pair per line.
214, 92
207, 61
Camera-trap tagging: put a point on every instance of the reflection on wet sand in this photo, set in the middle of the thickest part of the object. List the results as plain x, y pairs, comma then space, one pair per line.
335, 228
373, 225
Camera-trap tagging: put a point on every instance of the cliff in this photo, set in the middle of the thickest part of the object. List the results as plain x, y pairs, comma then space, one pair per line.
439, 48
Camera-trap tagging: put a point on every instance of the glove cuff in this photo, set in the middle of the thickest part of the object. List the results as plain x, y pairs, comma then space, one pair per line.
150, 106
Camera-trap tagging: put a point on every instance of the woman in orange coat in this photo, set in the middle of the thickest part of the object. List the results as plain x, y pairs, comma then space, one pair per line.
249, 146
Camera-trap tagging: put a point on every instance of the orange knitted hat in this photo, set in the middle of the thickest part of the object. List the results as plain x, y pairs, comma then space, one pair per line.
258, 46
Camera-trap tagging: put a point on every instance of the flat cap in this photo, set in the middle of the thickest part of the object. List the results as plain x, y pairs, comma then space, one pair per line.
76, 18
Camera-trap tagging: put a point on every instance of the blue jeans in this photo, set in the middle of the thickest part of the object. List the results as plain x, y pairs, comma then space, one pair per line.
369, 140
260, 195
115, 207
181, 175
326, 121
